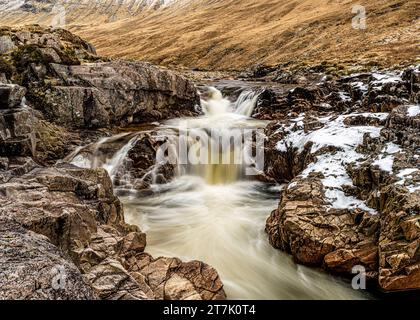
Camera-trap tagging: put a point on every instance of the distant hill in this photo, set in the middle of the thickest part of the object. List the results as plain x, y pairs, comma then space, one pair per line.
235, 34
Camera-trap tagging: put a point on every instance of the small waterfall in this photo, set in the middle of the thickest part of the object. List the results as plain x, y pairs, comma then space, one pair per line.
101, 155
217, 104
246, 103
114, 166
216, 141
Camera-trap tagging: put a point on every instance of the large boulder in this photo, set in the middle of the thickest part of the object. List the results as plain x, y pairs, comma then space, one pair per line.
318, 235
73, 87
32, 268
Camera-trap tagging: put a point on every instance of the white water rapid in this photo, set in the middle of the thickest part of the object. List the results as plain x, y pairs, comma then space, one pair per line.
215, 214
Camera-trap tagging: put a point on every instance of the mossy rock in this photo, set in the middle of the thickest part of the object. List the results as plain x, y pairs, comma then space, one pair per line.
52, 142
6, 67
27, 54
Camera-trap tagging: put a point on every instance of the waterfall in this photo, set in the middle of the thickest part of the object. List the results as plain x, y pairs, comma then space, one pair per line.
96, 155
212, 210
117, 161
216, 142
246, 102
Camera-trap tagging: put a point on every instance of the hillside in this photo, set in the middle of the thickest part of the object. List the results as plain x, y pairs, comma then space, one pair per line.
232, 35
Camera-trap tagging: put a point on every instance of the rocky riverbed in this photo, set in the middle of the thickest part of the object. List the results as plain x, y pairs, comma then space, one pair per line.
345, 149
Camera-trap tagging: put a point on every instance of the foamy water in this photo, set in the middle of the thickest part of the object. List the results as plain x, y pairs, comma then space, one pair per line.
223, 225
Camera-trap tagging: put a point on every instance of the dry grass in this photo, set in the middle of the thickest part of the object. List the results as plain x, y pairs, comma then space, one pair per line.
234, 34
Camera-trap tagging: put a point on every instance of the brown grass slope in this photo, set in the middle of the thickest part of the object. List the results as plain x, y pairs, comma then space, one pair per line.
235, 34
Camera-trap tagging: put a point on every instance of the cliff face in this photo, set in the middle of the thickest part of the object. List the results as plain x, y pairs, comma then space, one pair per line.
73, 87
228, 34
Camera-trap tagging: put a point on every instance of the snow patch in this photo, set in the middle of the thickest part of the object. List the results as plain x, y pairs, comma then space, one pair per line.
333, 166
407, 174
384, 78
385, 163
334, 133
413, 111
392, 148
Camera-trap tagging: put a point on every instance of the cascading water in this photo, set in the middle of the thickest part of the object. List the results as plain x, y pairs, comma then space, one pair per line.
215, 213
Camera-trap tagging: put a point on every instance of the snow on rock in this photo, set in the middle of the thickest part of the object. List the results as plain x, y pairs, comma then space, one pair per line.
408, 174
333, 165
334, 133
384, 78
360, 85
385, 163
392, 148
413, 111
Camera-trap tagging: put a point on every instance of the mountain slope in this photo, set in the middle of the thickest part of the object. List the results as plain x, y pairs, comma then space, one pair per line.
232, 35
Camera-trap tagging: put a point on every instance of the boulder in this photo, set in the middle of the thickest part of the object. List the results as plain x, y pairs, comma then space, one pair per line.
74, 88
16, 132
320, 236
6, 44
116, 93
31, 268
399, 242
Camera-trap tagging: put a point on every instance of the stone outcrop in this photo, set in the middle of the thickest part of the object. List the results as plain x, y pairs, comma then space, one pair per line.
32, 268
382, 232
84, 233
16, 122
320, 236
75, 88
396, 195
67, 216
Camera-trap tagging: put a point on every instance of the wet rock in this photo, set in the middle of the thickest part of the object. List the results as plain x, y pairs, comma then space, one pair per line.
399, 242
111, 281
16, 132
290, 78
169, 278
142, 163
